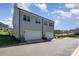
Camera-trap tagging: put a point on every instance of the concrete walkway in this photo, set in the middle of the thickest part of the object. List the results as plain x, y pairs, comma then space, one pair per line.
59, 47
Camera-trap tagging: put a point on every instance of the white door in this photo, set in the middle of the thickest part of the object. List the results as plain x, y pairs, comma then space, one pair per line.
31, 35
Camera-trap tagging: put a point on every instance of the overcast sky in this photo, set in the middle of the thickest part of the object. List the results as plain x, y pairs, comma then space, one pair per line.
66, 16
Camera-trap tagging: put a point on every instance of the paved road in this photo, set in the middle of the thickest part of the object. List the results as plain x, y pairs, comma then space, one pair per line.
62, 47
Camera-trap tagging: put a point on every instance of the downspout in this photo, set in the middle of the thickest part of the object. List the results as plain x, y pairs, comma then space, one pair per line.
53, 30
42, 28
19, 27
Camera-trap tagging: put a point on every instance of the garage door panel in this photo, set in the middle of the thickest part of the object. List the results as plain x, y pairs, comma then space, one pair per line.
30, 35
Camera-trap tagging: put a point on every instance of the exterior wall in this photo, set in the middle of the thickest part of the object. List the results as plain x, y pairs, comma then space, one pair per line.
48, 31
16, 22
32, 26
21, 27
48, 28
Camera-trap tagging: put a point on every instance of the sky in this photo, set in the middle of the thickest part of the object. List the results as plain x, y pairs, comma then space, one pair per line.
65, 15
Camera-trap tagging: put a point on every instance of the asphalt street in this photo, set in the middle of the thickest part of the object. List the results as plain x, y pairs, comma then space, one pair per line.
56, 47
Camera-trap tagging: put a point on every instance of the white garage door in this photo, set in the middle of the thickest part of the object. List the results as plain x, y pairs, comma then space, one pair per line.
30, 35
49, 35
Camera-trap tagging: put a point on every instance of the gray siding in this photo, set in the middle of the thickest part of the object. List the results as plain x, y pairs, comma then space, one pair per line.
47, 28
25, 25
16, 22
32, 25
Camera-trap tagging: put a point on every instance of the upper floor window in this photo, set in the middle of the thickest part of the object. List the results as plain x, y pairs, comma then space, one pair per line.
37, 21
45, 22
26, 18
50, 24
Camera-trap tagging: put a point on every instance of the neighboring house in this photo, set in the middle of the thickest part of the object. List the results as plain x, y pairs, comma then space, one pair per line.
29, 26
3, 28
76, 31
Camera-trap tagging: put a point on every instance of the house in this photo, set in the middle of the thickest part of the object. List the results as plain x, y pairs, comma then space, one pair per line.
76, 31
3, 28
29, 26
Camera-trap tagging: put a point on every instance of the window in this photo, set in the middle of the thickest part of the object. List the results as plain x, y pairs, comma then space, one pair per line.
37, 21
26, 18
50, 24
45, 22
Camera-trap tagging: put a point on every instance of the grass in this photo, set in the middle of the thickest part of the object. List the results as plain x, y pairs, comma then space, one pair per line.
2, 32
5, 38
60, 36
73, 36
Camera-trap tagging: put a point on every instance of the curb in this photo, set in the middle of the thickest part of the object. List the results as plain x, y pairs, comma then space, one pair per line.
76, 52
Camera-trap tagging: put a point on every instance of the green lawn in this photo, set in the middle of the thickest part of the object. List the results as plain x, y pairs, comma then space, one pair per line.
66, 35
5, 38
74, 36
4, 32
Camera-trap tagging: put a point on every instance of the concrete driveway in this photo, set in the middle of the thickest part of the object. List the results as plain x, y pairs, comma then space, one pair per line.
61, 47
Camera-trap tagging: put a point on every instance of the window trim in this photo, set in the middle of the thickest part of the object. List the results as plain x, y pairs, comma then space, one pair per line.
45, 22
37, 21
26, 18
50, 24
